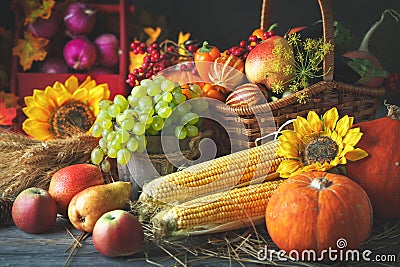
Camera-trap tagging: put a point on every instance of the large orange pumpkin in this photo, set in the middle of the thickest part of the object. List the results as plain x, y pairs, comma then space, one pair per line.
379, 173
315, 210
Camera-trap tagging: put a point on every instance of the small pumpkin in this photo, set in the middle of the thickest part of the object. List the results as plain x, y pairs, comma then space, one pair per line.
379, 173
247, 94
227, 72
313, 210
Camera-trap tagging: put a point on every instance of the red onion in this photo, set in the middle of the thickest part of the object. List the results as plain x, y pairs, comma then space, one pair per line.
80, 53
45, 28
53, 65
108, 49
79, 18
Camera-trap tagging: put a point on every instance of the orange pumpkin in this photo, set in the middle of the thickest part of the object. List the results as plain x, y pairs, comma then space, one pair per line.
379, 173
313, 210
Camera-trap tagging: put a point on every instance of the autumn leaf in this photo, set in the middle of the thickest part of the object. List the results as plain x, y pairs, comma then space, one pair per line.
30, 49
152, 33
10, 98
34, 9
6, 114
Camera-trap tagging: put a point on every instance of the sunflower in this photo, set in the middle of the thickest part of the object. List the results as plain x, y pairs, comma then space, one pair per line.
318, 144
61, 109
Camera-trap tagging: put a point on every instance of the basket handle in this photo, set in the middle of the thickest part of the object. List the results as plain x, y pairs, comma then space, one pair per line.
327, 27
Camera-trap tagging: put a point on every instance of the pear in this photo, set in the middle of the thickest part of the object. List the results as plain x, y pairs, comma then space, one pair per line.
87, 206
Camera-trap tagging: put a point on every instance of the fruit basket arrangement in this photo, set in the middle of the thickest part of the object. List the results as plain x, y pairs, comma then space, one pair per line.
323, 183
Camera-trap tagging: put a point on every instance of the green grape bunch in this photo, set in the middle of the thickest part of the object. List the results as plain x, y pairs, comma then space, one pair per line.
153, 106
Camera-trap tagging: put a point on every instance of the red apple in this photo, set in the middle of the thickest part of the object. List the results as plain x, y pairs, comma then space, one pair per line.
117, 233
34, 210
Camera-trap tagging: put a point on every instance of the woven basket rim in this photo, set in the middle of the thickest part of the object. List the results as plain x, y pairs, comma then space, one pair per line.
320, 87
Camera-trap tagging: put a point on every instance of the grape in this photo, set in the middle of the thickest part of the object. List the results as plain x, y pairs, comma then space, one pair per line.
178, 98
105, 132
97, 129
148, 110
122, 136
112, 152
190, 118
133, 101
159, 79
105, 166
195, 91
160, 105
145, 101
167, 85
106, 124
138, 91
103, 115
96, 155
144, 117
180, 132
116, 143
123, 156
104, 104
114, 110
151, 131
120, 118
121, 101
128, 123
192, 130
139, 128
111, 136
167, 97
199, 105
132, 144
165, 112
158, 123
103, 143
183, 108
154, 89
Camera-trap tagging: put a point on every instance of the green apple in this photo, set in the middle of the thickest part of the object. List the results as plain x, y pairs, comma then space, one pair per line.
34, 210
117, 233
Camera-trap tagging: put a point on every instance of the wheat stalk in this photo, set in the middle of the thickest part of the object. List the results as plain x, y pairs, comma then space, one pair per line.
25, 162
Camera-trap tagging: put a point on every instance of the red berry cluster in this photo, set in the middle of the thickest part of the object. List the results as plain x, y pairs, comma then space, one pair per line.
243, 49
157, 58
392, 82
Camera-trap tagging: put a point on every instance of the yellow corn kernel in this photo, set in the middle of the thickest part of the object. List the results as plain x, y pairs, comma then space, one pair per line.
222, 211
214, 175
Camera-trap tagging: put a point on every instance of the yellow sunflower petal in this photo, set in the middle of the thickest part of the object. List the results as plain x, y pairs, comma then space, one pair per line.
351, 121
98, 93
59, 87
40, 98
356, 154
287, 167
29, 101
343, 125
72, 83
88, 83
38, 113
289, 135
330, 118
352, 137
288, 150
302, 127
52, 95
80, 94
314, 121
37, 129
63, 97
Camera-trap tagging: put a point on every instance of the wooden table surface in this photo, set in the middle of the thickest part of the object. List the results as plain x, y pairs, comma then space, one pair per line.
18, 248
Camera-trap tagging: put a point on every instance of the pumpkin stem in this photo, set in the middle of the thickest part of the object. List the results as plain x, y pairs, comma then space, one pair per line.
320, 183
393, 111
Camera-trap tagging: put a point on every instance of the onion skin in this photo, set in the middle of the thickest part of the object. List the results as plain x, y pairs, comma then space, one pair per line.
107, 49
53, 65
79, 18
45, 28
80, 53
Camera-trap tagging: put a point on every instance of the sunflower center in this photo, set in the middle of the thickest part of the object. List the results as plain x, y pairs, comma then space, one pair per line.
320, 149
70, 117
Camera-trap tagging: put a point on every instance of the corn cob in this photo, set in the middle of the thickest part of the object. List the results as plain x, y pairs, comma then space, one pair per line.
214, 175
222, 211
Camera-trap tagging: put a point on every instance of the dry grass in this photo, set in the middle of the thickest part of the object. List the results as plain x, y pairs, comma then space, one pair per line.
25, 162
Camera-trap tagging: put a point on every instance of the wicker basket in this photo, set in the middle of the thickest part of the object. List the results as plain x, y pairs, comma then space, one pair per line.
246, 124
